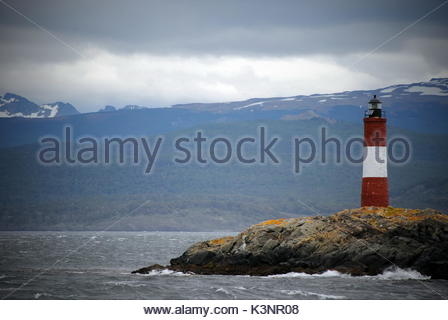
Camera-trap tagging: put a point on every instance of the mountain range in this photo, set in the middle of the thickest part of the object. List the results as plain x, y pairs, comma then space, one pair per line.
433, 91
421, 106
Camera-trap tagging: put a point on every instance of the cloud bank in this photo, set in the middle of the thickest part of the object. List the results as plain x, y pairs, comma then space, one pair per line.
159, 53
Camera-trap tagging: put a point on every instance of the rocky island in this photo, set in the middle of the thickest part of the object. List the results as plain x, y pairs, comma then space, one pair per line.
363, 241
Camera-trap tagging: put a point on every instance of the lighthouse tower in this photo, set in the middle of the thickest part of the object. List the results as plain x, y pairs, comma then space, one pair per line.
375, 189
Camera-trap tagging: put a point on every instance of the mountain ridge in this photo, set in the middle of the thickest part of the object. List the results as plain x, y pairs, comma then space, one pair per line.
15, 106
425, 90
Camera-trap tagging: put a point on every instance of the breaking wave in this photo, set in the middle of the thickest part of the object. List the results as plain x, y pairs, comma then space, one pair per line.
320, 296
388, 274
41, 294
401, 274
165, 272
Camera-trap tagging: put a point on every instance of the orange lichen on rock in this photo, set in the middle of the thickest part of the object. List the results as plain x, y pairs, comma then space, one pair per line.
402, 213
220, 241
272, 222
307, 219
384, 218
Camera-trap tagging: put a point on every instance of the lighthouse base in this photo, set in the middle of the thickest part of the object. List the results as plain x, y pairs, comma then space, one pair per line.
375, 192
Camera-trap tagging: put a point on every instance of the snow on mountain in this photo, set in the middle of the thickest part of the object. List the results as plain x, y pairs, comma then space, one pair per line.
427, 91
12, 105
128, 107
6, 99
133, 107
53, 110
434, 87
249, 105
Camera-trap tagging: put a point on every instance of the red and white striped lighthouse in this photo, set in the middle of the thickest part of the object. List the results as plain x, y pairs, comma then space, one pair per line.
375, 189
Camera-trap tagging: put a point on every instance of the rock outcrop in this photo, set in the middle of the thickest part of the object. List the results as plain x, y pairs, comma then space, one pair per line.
362, 241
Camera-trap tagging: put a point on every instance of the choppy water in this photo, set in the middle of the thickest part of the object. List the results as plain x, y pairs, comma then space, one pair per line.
88, 265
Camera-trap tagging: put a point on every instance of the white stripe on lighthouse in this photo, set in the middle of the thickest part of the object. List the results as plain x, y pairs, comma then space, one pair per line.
375, 162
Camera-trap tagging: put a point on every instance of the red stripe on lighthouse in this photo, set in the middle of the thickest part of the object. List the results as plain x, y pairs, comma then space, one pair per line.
375, 132
375, 192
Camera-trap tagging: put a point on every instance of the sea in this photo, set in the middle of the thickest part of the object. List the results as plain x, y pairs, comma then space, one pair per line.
98, 265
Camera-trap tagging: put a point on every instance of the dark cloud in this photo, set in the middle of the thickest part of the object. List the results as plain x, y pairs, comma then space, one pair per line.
228, 27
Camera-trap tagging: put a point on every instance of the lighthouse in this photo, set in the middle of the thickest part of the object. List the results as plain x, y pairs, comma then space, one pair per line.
375, 189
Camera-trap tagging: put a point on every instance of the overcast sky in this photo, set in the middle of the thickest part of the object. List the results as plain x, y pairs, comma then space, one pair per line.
159, 53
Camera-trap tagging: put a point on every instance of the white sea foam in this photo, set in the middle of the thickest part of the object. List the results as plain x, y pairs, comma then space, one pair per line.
388, 274
311, 294
39, 294
401, 274
166, 272
127, 284
222, 290
241, 288
328, 273
225, 292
